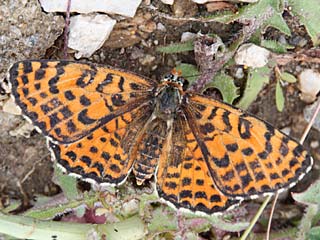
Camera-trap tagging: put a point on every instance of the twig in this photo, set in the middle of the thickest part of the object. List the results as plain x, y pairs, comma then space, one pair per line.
271, 215
255, 218
66, 30
312, 120
309, 55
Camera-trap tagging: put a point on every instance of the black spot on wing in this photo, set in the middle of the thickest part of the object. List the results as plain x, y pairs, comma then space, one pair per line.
117, 100
27, 67
24, 79
222, 162
43, 95
247, 151
39, 74
228, 176
84, 118
72, 155
226, 121
54, 120
120, 84
54, 90
66, 112
206, 128
244, 128
99, 166
33, 101
69, 95
135, 86
85, 159
85, 101
171, 185
212, 114
186, 181
105, 82
86, 78
115, 168
37, 86
71, 126
232, 147
105, 155
185, 194
25, 91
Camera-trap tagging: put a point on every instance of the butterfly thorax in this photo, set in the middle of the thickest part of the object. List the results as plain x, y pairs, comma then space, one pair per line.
167, 103
168, 97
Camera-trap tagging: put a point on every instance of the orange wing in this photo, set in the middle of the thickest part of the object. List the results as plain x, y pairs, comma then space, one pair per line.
68, 100
182, 179
105, 154
246, 157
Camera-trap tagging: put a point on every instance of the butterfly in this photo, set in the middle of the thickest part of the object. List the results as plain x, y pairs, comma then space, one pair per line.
102, 123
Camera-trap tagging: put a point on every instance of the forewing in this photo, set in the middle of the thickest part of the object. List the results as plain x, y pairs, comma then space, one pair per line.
104, 155
68, 100
245, 156
183, 178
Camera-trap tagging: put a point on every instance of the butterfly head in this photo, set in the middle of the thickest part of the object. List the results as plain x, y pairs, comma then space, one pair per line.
174, 78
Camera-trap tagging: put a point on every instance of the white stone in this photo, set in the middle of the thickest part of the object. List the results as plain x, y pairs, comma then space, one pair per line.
170, 2
187, 36
122, 7
161, 27
309, 84
23, 130
286, 130
88, 33
252, 56
11, 107
314, 144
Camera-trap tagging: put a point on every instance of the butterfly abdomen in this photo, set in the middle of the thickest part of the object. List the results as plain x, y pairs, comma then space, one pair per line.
149, 150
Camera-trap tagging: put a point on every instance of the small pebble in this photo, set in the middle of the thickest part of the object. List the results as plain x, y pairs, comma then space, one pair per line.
309, 84
252, 55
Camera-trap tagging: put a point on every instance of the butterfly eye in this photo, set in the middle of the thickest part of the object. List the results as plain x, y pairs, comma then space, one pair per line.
181, 81
168, 77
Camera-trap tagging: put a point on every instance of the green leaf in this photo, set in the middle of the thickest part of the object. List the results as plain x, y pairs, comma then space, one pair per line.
164, 219
288, 77
226, 86
255, 10
310, 196
277, 22
189, 72
26, 227
308, 13
275, 46
50, 209
279, 97
67, 183
256, 79
314, 233
250, 11
176, 47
